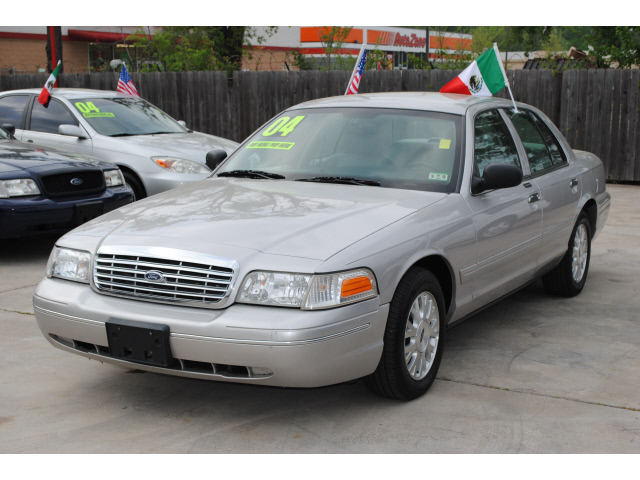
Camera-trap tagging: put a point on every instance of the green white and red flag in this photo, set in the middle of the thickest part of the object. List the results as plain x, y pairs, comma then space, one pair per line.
45, 95
484, 77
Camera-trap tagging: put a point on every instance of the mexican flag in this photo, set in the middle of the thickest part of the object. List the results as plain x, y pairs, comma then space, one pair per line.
484, 77
45, 94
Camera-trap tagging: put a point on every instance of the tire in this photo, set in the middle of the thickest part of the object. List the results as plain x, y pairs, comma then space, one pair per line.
569, 277
136, 185
399, 375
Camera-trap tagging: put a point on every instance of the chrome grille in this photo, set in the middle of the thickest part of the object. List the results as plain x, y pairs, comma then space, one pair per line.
180, 281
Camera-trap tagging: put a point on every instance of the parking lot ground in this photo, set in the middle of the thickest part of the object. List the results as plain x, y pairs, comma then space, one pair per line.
533, 374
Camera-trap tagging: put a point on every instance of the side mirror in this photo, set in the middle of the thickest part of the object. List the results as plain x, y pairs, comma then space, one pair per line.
182, 123
214, 158
495, 176
9, 128
72, 131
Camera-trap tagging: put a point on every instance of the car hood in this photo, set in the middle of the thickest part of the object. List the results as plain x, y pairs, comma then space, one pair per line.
19, 156
277, 217
193, 146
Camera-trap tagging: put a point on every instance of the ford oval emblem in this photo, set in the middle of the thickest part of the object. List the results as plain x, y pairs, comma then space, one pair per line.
154, 276
76, 181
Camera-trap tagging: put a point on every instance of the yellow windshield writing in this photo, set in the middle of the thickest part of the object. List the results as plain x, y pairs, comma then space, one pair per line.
272, 145
284, 126
89, 110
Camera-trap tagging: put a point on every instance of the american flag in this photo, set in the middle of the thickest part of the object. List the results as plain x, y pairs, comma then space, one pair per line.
352, 89
125, 84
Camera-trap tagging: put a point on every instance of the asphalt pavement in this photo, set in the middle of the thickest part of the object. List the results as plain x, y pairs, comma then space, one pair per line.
533, 374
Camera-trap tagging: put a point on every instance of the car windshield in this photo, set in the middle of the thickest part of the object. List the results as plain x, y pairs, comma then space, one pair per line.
405, 149
125, 116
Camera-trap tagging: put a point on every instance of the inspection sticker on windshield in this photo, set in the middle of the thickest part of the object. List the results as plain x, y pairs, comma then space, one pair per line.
272, 145
442, 177
445, 144
89, 110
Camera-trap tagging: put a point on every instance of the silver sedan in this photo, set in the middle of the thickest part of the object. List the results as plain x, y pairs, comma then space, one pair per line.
338, 242
154, 152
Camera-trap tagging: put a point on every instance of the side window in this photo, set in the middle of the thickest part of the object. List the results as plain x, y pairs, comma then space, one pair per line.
493, 142
535, 146
555, 150
48, 120
12, 109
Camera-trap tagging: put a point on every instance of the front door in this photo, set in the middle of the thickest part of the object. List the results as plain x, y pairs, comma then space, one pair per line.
43, 126
508, 221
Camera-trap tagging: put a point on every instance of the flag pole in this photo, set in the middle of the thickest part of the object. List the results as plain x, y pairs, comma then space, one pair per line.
504, 74
355, 68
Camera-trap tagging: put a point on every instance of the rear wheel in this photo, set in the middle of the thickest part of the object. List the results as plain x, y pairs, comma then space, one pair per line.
569, 277
136, 185
413, 339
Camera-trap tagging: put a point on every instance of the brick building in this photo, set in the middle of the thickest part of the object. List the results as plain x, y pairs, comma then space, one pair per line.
89, 49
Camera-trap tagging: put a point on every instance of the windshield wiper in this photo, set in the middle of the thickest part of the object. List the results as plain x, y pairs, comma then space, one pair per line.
344, 180
125, 135
251, 174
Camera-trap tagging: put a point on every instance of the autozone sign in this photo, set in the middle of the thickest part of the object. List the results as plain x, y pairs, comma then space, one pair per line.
409, 41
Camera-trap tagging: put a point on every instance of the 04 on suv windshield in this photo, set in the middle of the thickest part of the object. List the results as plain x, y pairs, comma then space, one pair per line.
404, 149
125, 116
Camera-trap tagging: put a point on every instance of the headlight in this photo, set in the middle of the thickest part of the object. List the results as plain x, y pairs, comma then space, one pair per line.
69, 264
113, 178
18, 188
180, 165
274, 288
309, 292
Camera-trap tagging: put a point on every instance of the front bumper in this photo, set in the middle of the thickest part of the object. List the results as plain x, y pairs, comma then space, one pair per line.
241, 343
39, 215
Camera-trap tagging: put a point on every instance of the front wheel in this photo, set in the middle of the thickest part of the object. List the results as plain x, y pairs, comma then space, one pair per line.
136, 185
413, 339
569, 277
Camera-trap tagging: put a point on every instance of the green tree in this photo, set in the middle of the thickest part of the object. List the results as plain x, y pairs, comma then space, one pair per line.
530, 38
485, 37
619, 45
332, 39
179, 49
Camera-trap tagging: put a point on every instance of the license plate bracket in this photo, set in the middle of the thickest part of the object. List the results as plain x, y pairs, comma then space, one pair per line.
139, 342
87, 211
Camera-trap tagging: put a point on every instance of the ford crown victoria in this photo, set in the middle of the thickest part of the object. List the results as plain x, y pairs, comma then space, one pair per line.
338, 242
44, 191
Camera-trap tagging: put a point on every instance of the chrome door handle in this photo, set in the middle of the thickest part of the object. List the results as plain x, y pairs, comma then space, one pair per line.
534, 198
573, 182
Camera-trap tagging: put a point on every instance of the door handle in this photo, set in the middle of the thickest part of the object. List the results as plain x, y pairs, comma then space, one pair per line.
534, 198
573, 183
29, 141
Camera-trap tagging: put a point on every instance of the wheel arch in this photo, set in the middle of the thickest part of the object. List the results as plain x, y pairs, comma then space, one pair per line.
130, 171
590, 208
440, 267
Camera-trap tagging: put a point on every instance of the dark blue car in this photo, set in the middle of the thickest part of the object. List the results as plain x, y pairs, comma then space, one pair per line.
44, 191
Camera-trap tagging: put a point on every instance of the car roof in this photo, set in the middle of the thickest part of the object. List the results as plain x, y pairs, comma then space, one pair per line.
74, 92
430, 101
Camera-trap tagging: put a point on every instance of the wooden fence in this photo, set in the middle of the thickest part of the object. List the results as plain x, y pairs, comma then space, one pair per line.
597, 110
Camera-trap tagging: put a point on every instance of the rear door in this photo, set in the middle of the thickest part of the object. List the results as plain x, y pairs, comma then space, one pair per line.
42, 128
508, 221
557, 180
